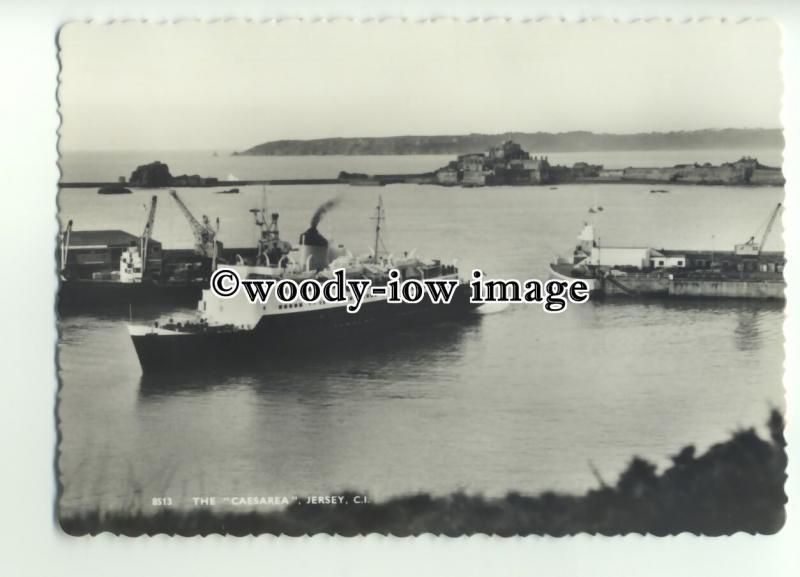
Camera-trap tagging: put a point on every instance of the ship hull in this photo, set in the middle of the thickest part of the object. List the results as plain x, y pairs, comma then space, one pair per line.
564, 272
81, 295
679, 284
291, 336
84, 295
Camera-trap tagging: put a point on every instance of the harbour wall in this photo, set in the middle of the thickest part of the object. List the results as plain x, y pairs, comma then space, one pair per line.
635, 285
216, 184
739, 289
767, 177
632, 285
726, 175
730, 174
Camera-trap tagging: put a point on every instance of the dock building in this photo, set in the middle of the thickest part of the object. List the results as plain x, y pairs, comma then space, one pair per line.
97, 253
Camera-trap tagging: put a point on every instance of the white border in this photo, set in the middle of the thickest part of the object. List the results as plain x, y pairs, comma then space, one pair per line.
30, 542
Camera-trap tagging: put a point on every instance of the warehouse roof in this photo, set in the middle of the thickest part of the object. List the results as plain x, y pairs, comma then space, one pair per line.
101, 238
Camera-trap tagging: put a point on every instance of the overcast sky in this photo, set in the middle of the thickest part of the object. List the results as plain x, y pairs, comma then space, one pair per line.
229, 86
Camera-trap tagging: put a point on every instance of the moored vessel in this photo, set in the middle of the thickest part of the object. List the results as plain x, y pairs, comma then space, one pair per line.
114, 269
747, 272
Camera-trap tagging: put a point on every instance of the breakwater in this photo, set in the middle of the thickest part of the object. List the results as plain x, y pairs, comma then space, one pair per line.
216, 183
736, 289
649, 285
157, 175
742, 172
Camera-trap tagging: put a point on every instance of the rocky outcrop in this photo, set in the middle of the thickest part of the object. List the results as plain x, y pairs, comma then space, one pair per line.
157, 174
151, 175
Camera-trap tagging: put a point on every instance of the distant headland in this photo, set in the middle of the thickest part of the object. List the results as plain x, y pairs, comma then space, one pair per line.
576, 141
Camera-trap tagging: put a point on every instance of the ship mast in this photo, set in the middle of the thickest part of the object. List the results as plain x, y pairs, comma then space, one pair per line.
379, 216
260, 216
271, 249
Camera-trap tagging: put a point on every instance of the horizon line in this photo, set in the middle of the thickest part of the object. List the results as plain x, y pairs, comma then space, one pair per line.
433, 135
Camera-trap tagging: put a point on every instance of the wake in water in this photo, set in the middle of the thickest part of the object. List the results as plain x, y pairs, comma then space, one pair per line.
493, 308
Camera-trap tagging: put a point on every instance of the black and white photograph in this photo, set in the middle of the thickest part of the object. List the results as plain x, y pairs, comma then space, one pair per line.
405, 278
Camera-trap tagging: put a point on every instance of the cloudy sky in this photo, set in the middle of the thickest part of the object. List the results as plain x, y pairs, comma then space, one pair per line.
229, 86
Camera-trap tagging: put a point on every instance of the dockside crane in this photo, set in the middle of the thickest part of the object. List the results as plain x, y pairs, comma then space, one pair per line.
205, 235
65, 247
753, 248
144, 240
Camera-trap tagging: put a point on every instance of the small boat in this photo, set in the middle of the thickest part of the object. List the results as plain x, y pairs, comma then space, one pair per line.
596, 208
113, 189
229, 191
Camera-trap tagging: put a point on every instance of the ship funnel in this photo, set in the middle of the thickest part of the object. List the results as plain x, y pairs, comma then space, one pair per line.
313, 249
314, 246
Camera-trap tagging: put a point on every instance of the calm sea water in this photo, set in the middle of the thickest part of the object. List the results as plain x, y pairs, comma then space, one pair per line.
518, 399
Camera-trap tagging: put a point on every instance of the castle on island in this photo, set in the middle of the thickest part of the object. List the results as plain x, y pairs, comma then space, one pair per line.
506, 164
509, 164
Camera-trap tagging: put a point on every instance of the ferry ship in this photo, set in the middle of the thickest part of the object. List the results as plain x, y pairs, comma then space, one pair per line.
234, 329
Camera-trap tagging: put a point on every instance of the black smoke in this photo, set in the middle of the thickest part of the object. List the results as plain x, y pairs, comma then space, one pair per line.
322, 210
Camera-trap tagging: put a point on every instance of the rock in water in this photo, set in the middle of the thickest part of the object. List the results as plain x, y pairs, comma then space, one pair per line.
151, 175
